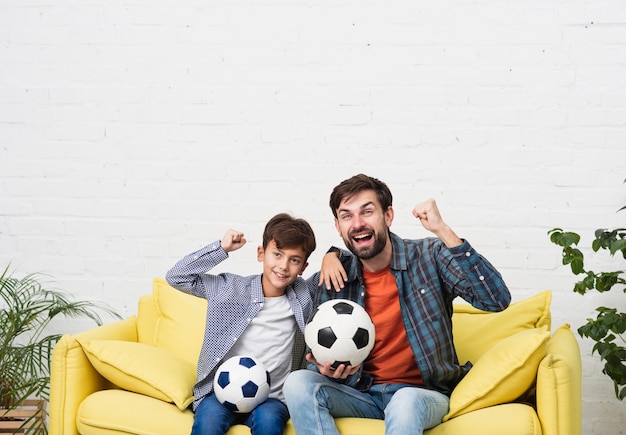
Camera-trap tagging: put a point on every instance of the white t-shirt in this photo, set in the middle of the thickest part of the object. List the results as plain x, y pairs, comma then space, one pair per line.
269, 337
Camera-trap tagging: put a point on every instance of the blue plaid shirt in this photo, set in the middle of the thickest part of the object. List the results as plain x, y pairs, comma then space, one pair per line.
429, 276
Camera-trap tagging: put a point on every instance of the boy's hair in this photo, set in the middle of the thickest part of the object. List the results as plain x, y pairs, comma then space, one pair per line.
289, 232
353, 185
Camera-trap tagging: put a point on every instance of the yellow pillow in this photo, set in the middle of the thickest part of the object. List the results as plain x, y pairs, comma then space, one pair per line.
476, 331
181, 322
143, 369
502, 374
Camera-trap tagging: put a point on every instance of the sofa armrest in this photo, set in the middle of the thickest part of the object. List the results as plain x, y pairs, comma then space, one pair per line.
559, 385
72, 377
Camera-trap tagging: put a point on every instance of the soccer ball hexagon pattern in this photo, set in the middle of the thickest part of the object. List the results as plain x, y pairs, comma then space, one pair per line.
340, 332
241, 383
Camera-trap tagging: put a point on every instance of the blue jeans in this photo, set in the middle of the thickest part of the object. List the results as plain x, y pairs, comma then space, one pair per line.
211, 418
314, 400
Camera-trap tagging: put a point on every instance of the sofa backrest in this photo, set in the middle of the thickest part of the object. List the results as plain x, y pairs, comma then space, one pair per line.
172, 320
175, 321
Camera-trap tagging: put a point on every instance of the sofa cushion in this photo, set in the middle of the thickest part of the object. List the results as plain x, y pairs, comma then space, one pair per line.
143, 369
502, 374
475, 331
180, 323
506, 419
111, 412
118, 411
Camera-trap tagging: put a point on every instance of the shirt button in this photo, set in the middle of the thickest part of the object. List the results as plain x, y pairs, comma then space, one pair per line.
195, 257
482, 278
467, 254
248, 320
362, 294
422, 291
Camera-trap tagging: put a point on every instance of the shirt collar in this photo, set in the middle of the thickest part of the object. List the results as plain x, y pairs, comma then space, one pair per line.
398, 259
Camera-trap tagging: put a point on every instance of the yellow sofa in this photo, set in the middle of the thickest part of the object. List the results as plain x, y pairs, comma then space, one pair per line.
135, 376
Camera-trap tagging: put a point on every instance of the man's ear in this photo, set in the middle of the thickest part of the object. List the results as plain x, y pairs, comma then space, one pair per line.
303, 267
389, 216
260, 253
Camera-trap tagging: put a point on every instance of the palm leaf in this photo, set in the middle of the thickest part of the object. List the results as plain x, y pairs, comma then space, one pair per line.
26, 310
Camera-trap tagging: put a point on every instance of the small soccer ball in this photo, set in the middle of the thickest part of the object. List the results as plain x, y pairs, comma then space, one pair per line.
340, 332
241, 383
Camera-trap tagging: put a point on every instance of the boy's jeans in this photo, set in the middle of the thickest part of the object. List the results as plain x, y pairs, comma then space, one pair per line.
314, 400
211, 418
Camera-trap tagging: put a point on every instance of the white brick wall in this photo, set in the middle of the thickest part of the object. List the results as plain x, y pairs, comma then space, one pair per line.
132, 132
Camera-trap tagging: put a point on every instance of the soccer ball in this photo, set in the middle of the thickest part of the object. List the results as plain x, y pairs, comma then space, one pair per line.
340, 332
241, 383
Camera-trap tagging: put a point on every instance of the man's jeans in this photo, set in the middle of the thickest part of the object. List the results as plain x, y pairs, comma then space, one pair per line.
211, 418
314, 400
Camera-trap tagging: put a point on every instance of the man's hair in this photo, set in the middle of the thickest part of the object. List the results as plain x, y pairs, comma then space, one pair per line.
353, 185
289, 232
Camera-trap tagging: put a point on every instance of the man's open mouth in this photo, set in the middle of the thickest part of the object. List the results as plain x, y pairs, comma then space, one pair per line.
361, 238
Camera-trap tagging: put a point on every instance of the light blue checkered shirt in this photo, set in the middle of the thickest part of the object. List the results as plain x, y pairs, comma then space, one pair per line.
233, 301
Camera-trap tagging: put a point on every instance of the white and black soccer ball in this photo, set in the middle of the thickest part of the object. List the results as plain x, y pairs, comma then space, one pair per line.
241, 383
340, 332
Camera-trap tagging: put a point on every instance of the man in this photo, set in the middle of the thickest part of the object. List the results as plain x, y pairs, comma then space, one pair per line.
407, 287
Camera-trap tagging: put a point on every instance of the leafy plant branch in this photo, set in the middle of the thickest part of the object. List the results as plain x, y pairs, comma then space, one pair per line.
607, 329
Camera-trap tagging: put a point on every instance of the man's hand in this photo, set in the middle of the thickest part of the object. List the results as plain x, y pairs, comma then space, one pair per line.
332, 273
341, 372
430, 218
233, 240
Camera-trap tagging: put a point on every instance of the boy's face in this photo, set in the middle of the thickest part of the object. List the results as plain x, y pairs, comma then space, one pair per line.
281, 267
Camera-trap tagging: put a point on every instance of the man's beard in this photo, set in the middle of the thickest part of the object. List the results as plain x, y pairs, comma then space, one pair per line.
367, 253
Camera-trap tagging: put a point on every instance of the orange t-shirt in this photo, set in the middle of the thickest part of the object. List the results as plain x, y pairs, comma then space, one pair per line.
391, 361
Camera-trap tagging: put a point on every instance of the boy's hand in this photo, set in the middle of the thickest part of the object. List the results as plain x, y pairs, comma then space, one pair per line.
233, 240
332, 273
341, 372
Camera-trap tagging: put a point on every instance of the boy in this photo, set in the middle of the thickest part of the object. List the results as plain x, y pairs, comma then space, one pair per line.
256, 316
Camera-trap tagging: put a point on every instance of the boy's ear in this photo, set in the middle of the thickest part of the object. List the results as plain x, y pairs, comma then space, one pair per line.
303, 267
260, 253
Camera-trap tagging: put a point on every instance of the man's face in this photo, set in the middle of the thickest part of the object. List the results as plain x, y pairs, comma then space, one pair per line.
363, 224
281, 267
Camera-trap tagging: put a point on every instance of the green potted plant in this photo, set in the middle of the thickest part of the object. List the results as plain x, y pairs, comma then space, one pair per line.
607, 329
27, 307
